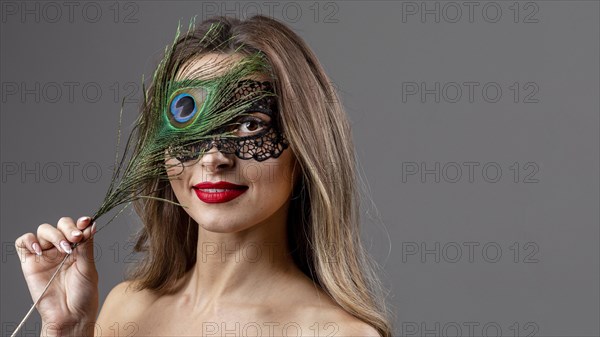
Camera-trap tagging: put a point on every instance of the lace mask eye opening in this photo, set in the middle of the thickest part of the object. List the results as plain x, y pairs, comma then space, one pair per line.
260, 98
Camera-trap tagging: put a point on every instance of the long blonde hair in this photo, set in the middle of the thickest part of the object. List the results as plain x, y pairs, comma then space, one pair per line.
323, 219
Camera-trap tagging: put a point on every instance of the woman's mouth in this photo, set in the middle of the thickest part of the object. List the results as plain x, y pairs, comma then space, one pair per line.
218, 192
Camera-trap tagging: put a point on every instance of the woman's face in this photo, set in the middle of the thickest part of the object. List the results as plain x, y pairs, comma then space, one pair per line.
264, 187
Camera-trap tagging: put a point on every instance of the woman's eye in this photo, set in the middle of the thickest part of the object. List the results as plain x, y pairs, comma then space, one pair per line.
249, 125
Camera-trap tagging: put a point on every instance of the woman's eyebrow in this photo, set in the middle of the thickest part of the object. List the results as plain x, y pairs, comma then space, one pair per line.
261, 114
255, 114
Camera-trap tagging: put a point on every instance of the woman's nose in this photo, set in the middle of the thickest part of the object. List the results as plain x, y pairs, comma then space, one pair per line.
214, 160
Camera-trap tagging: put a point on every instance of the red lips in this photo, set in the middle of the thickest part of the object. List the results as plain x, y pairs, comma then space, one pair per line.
218, 192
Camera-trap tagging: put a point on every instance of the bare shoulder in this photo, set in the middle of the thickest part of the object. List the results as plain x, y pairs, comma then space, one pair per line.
335, 321
354, 327
122, 308
319, 315
125, 297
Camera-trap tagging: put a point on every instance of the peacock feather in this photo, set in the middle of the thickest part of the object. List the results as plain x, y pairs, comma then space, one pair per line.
183, 110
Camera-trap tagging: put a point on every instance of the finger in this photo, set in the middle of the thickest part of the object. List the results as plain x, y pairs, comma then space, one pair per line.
83, 222
89, 232
27, 244
67, 226
50, 236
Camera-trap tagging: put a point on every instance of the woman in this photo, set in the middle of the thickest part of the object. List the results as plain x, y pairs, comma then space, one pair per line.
268, 241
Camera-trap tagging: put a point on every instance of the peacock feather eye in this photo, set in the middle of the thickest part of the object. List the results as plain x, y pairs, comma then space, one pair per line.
185, 106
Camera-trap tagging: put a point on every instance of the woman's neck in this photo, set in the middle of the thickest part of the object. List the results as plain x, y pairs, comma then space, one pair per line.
231, 266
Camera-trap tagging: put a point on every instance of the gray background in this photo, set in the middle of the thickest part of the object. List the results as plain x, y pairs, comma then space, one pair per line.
546, 224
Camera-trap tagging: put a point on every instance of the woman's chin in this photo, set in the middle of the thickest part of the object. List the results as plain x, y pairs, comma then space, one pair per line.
221, 226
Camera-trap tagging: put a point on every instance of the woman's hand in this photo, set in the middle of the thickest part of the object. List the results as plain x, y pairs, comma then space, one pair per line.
71, 302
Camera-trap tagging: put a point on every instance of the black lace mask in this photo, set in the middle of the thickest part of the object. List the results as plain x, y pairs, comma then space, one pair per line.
262, 144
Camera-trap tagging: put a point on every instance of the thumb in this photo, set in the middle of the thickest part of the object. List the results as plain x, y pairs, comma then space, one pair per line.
85, 251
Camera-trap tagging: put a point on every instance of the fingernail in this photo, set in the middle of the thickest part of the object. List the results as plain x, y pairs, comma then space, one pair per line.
66, 247
83, 218
37, 249
94, 228
76, 233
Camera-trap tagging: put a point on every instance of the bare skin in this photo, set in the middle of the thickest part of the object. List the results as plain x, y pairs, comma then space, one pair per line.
244, 281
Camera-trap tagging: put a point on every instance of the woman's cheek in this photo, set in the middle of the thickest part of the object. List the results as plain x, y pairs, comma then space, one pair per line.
173, 168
